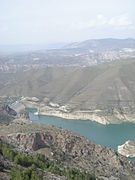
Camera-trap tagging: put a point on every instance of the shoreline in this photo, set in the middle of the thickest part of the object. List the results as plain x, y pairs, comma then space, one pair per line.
73, 116
66, 112
127, 149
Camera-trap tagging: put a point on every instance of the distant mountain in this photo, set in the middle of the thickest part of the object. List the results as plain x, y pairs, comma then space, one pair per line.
100, 45
87, 53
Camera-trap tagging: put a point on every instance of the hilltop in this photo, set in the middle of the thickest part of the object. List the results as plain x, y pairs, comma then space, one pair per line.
102, 45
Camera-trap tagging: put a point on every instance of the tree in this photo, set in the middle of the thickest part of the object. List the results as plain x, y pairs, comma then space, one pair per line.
16, 174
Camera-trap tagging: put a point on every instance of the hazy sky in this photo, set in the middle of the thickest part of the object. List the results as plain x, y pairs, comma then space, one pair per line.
52, 21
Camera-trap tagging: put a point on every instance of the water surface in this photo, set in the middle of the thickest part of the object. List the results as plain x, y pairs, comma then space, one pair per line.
109, 135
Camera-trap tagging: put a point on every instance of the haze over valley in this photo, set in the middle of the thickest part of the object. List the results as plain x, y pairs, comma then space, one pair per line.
86, 53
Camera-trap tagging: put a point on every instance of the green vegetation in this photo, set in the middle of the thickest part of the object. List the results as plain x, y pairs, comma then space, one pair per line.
28, 174
31, 167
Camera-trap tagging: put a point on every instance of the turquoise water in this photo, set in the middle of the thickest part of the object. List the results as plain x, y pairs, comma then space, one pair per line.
109, 135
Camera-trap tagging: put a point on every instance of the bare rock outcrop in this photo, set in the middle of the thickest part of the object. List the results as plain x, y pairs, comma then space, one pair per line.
127, 149
6, 114
76, 150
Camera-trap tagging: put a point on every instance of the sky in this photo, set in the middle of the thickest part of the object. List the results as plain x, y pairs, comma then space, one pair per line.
56, 21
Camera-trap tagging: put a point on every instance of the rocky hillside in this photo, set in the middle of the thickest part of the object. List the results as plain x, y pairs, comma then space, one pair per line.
109, 83
105, 90
127, 149
19, 166
6, 114
69, 148
5, 167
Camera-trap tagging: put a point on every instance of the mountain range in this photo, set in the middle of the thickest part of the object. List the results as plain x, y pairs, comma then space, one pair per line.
94, 76
86, 53
108, 88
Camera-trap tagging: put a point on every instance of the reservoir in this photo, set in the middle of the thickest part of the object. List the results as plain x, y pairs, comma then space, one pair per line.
107, 135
